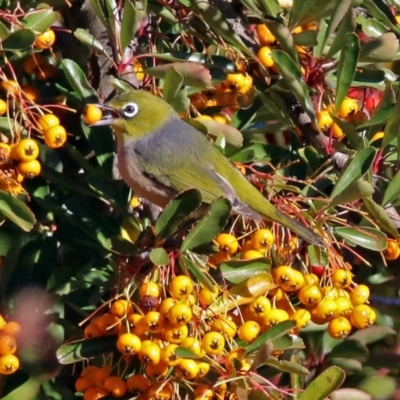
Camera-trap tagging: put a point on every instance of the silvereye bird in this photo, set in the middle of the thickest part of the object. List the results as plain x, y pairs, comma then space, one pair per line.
159, 155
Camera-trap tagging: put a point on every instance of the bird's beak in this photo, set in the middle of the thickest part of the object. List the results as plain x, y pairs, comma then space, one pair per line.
109, 115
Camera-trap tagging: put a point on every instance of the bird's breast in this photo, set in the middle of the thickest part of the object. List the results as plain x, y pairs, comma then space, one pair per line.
143, 185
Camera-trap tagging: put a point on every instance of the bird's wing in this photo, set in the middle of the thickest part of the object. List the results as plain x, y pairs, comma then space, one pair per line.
210, 184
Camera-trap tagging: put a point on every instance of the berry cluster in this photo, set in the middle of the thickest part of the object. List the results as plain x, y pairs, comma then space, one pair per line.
27, 117
187, 332
9, 362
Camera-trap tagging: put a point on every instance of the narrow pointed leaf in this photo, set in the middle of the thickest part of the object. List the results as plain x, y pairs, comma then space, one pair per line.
274, 332
369, 238
347, 67
355, 191
339, 12
17, 211
89, 40
381, 216
199, 276
237, 271
324, 384
128, 24
81, 350
392, 192
347, 25
392, 127
209, 226
176, 211
356, 169
291, 74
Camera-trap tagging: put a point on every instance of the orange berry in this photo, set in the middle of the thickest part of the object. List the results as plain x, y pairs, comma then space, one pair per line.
11, 328
29, 169
26, 150
92, 114
121, 308
265, 36
3, 107
55, 137
392, 250
10, 86
8, 364
8, 345
47, 121
45, 40
264, 55
115, 385
108, 324
33, 62
227, 243
94, 393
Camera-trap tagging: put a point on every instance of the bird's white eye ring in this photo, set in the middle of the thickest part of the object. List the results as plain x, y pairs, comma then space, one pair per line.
129, 110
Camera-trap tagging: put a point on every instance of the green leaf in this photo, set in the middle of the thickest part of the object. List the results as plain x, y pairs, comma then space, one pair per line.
349, 365
379, 386
392, 127
384, 110
381, 12
380, 49
19, 40
81, 350
199, 276
238, 271
192, 74
216, 129
4, 31
373, 334
17, 211
369, 238
89, 40
356, 169
347, 25
128, 23
41, 20
350, 394
173, 92
287, 366
291, 74
351, 349
275, 332
380, 216
355, 191
78, 80
285, 38
324, 384
183, 352
271, 7
318, 256
299, 10
338, 14
296, 380
175, 212
261, 151
346, 67
216, 21
392, 192
159, 256
209, 226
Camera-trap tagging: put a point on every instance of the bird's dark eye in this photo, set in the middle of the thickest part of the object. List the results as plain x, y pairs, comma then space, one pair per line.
129, 110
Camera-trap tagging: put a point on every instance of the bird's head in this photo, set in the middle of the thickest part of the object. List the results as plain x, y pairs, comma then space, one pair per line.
135, 114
